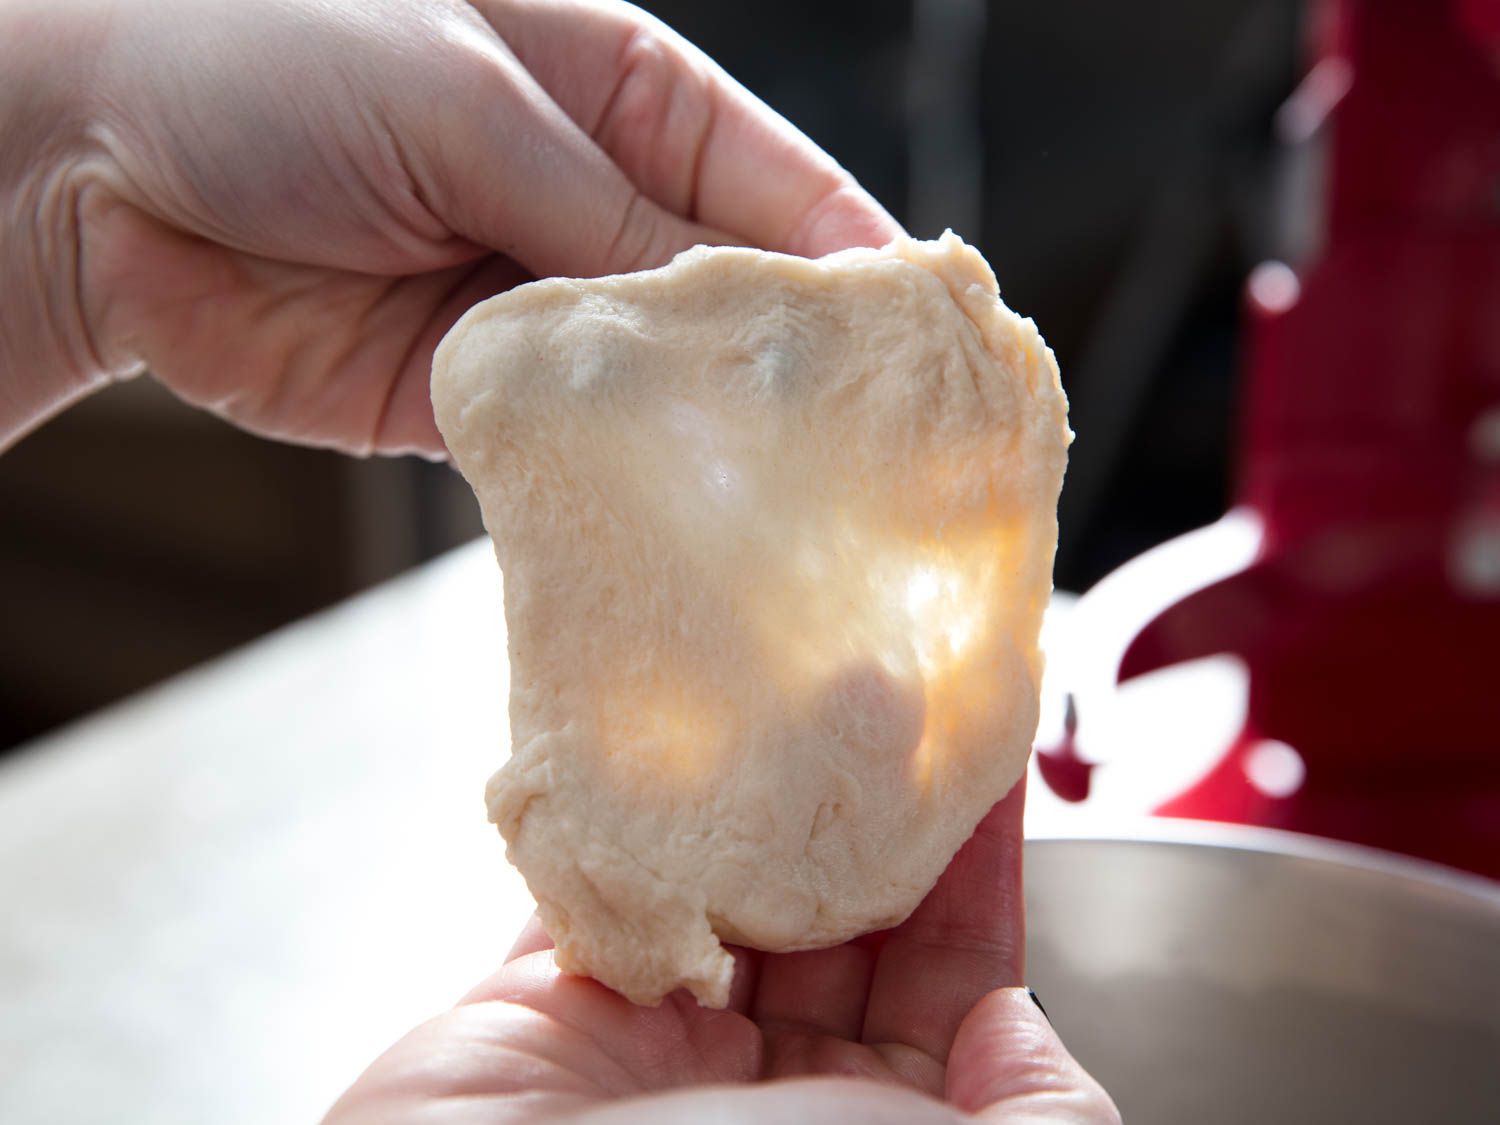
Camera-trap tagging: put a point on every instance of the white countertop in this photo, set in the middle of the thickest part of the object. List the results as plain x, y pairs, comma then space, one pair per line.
226, 896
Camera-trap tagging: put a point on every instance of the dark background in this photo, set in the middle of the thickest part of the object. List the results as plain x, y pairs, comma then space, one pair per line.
1112, 161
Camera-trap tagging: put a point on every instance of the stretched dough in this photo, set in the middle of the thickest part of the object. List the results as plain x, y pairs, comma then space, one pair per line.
777, 535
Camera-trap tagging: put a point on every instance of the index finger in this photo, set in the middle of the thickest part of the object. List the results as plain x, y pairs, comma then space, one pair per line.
965, 940
689, 136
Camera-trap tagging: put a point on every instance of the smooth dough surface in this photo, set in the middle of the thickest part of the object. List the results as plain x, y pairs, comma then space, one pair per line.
776, 535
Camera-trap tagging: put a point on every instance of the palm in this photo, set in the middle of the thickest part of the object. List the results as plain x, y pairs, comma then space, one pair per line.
316, 355
827, 1012
914, 1009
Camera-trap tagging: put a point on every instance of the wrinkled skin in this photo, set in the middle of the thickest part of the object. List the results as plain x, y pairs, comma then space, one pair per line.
920, 1024
280, 207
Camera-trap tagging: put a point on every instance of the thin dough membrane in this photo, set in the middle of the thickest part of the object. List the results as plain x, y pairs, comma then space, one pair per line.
777, 535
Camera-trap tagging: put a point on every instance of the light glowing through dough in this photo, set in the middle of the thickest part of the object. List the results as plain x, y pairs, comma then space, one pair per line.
945, 612
776, 536
920, 591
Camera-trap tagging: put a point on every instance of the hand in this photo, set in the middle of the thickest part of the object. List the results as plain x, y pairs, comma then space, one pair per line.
279, 207
923, 1024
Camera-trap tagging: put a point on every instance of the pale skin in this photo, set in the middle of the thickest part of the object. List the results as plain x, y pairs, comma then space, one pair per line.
278, 207
922, 1024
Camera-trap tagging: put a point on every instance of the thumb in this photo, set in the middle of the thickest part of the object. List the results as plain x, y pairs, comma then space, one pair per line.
1009, 1067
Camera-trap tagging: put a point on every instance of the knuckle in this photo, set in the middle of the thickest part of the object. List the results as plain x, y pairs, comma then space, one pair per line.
637, 239
664, 95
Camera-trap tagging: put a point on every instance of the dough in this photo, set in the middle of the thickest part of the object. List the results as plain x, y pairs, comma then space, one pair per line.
776, 536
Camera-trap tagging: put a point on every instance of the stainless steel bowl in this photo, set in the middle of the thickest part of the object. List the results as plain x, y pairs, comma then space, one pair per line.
1211, 974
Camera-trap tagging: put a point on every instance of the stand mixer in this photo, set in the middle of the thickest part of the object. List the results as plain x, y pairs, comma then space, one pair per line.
1354, 589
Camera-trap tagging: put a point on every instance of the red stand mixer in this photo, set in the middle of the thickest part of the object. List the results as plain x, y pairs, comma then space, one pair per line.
1358, 579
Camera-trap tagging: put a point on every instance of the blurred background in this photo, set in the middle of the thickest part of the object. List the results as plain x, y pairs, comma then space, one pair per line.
1114, 163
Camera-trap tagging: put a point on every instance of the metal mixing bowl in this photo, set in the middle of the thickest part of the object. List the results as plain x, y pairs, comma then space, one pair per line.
1214, 974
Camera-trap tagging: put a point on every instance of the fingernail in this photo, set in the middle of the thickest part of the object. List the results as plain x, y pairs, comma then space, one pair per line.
1035, 1000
